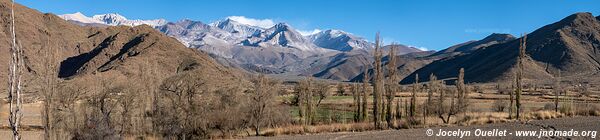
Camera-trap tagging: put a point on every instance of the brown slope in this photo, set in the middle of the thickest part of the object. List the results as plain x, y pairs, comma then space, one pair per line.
87, 54
570, 45
406, 64
349, 66
470, 46
343, 66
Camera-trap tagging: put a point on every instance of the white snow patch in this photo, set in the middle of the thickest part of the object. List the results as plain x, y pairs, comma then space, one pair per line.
263, 23
309, 32
420, 48
79, 17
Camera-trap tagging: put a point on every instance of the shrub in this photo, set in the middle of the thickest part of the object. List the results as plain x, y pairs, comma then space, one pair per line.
499, 105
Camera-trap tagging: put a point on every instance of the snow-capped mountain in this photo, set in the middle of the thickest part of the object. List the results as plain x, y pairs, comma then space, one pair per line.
238, 29
339, 40
112, 19
268, 47
196, 34
79, 17
282, 35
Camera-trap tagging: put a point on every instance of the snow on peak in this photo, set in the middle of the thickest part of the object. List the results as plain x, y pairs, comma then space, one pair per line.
310, 32
112, 19
235, 27
263, 23
339, 40
79, 17
336, 33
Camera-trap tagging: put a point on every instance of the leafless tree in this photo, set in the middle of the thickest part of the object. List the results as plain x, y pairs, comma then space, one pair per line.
413, 99
399, 109
322, 90
14, 81
557, 91
378, 85
305, 93
365, 95
499, 105
519, 82
511, 106
446, 111
340, 89
66, 120
50, 82
462, 91
356, 95
187, 108
391, 86
433, 87
261, 100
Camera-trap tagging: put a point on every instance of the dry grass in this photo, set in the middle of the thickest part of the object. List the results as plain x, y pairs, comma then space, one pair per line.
478, 118
299, 129
542, 115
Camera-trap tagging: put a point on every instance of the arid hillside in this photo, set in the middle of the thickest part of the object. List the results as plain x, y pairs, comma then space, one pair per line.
570, 46
89, 56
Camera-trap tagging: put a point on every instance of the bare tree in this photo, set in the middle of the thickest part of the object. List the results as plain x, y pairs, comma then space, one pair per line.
340, 89
14, 83
399, 109
261, 100
432, 85
445, 112
511, 106
356, 103
557, 91
391, 86
187, 108
519, 82
378, 85
413, 99
305, 101
462, 91
322, 90
365, 94
66, 117
49, 88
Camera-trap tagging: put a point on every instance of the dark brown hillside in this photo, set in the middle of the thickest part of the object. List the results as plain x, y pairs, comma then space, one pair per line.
406, 64
570, 45
470, 46
84, 55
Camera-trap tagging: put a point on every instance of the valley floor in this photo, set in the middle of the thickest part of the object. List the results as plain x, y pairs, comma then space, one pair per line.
560, 124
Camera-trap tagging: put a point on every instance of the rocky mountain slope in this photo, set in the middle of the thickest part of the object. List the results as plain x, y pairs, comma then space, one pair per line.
470, 46
88, 57
570, 46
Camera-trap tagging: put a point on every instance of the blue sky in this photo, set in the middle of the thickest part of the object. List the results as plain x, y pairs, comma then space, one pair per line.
432, 24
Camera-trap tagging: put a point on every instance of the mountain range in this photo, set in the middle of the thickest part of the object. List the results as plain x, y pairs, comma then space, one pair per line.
277, 49
569, 46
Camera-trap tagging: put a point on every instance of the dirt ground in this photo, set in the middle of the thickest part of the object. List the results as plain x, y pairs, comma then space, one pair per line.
562, 124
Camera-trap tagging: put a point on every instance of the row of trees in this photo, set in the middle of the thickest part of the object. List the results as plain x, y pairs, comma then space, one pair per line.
384, 91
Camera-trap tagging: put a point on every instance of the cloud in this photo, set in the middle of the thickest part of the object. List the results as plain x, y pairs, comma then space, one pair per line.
420, 48
264, 23
309, 32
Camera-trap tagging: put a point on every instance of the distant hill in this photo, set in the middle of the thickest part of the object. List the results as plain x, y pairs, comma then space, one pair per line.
470, 46
571, 45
